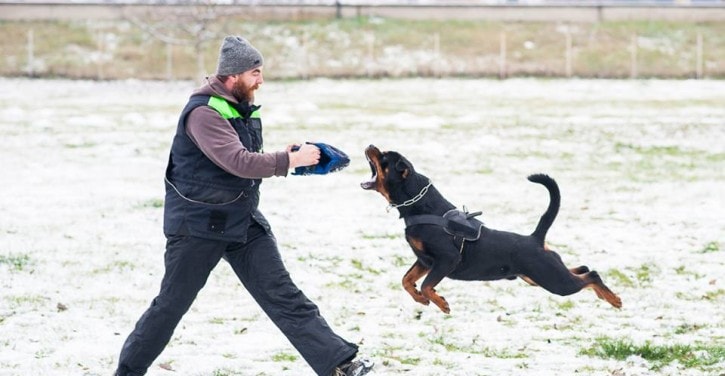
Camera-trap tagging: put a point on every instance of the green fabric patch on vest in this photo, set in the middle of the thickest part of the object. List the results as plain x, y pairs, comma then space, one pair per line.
223, 108
226, 110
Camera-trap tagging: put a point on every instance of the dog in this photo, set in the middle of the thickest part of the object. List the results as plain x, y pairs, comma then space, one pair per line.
452, 243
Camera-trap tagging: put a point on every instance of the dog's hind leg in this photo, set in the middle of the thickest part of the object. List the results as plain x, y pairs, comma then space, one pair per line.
579, 269
551, 274
602, 291
416, 272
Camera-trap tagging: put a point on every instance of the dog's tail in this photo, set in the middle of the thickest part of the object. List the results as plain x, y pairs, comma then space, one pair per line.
554, 200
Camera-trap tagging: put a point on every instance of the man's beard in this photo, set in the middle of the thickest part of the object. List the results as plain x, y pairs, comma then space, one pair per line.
244, 93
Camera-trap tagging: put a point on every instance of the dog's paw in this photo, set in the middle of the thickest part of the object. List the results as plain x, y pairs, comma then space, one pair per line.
421, 299
615, 301
445, 307
442, 304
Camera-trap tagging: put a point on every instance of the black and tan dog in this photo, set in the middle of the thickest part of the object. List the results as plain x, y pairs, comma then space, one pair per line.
451, 243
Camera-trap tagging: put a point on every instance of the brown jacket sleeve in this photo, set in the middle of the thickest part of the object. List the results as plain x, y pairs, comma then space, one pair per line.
216, 138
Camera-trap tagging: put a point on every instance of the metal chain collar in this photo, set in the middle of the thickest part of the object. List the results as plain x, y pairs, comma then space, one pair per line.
412, 200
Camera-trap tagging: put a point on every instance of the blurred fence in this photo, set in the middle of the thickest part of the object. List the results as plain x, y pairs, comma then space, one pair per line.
504, 10
358, 46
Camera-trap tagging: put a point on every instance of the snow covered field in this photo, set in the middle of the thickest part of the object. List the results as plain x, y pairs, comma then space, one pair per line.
641, 167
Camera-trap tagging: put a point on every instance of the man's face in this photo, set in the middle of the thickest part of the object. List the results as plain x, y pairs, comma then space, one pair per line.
246, 84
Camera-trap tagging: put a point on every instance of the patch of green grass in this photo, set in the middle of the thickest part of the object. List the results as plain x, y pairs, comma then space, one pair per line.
690, 356
400, 261
566, 305
81, 145
151, 203
391, 236
331, 261
15, 261
284, 357
15, 301
486, 170
654, 161
714, 295
226, 372
682, 270
474, 349
502, 354
359, 265
449, 347
654, 150
117, 265
620, 277
349, 282
645, 273
410, 361
43, 353
688, 328
711, 247
444, 363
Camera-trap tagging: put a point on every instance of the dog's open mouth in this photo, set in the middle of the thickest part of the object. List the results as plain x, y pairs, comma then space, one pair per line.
372, 154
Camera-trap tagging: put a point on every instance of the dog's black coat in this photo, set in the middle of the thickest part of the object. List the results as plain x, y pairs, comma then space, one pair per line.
494, 255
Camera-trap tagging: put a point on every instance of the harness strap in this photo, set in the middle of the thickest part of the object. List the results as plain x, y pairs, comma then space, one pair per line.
426, 219
448, 225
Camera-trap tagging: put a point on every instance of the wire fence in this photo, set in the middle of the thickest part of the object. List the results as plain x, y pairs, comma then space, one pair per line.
506, 53
159, 46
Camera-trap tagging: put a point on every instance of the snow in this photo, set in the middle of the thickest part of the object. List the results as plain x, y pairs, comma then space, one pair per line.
639, 164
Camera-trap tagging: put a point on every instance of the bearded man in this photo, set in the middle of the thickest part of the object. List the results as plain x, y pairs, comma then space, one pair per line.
215, 168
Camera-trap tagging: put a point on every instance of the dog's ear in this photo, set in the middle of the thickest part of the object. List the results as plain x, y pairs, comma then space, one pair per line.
404, 167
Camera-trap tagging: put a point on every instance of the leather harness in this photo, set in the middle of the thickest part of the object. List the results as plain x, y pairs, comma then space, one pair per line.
460, 224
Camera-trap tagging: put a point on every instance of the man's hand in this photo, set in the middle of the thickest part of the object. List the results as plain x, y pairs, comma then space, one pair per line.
305, 155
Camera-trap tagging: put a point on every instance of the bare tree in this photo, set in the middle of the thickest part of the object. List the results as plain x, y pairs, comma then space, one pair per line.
193, 24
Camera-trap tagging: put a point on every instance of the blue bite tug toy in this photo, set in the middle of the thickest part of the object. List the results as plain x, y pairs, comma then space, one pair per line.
331, 159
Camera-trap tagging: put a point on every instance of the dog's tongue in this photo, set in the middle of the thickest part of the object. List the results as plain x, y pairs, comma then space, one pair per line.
370, 184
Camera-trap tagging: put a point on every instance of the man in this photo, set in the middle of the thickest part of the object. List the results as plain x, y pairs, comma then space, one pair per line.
212, 179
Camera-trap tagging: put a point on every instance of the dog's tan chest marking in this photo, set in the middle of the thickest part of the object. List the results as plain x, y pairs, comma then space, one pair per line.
416, 244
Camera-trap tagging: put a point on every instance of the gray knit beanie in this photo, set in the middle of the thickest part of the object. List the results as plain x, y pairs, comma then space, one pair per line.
236, 55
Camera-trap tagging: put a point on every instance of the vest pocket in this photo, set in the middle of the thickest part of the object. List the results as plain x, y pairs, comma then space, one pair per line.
217, 221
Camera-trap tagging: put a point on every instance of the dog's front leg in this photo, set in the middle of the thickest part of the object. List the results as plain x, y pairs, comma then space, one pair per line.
416, 272
441, 268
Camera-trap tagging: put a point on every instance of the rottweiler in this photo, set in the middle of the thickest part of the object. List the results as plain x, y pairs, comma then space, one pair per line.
452, 243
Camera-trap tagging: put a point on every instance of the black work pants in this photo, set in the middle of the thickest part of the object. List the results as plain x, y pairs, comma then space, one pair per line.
257, 263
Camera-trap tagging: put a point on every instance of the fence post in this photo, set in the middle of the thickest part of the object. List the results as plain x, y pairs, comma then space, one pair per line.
31, 58
436, 55
169, 62
371, 54
502, 56
699, 70
633, 61
305, 58
568, 54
